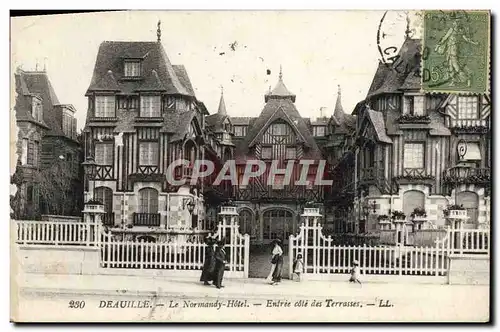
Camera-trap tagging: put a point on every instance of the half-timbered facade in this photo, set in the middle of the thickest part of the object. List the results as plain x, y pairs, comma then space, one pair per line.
415, 149
46, 139
270, 208
142, 116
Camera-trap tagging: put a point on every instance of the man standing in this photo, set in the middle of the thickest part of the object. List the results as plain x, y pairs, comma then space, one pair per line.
207, 274
220, 263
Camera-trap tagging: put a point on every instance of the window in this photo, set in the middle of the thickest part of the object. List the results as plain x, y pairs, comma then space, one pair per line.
32, 153
36, 109
267, 152
125, 102
170, 103
105, 196
319, 131
148, 200
67, 123
467, 107
150, 106
291, 153
24, 151
239, 131
148, 153
104, 106
132, 68
104, 153
279, 129
414, 155
414, 105
279, 182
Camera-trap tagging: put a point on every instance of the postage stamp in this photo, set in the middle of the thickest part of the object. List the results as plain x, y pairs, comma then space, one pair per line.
456, 52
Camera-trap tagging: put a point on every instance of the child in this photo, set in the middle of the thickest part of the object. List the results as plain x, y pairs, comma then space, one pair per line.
355, 272
298, 267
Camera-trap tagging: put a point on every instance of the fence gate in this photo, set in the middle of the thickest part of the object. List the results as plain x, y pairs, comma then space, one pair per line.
237, 247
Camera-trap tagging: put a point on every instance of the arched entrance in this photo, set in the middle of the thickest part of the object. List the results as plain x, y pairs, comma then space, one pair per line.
278, 224
247, 224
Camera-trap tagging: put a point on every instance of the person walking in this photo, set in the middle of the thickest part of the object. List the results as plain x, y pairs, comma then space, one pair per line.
220, 263
355, 272
207, 273
277, 261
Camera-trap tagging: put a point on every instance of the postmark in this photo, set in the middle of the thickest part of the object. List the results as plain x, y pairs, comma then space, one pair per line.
456, 51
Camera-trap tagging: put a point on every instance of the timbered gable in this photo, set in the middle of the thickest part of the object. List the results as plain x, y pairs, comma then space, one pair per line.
468, 111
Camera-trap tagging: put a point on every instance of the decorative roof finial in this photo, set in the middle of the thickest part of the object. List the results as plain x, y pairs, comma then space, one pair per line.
408, 31
281, 73
339, 92
45, 64
158, 31
36, 65
221, 90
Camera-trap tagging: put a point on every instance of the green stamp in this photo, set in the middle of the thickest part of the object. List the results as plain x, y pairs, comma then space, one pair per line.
456, 51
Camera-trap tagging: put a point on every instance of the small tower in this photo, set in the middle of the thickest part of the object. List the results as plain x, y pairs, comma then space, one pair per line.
222, 104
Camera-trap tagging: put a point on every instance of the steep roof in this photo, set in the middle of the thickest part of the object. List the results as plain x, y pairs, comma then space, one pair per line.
241, 120
222, 105
38, 83
280, 91
273, 110
111, 56
392, 78
377, 120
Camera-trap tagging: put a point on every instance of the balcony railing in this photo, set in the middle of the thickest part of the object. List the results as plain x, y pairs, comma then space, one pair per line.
146, 219
108, 219
467, 175
148, 169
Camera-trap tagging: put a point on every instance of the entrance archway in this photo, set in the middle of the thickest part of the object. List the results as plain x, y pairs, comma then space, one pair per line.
278, 224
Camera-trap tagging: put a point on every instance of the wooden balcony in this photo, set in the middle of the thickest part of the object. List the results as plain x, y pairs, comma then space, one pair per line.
108, 219
467, 175
104, 172
148, 169
376, 177
415, 175
146, 219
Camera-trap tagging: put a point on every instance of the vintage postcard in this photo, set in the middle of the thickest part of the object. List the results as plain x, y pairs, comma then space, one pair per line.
251, 166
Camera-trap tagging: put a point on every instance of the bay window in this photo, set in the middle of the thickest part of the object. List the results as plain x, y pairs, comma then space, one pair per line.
468, 107
104, 153
105, 106
150, 106
148, 153
413, 155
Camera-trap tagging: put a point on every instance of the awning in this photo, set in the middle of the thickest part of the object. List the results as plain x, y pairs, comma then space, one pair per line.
473, 152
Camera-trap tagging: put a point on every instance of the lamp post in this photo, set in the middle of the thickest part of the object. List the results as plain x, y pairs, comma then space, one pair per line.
90, 169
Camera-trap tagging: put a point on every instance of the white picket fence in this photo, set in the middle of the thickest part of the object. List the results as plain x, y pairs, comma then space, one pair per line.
175, 255
74, 233
321, 256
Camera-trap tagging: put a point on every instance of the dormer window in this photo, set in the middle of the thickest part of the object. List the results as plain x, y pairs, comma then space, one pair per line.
132, 68
36, 109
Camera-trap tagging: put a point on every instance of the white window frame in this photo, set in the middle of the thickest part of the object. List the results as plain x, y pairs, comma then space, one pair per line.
411, 159
148, 200
465, 113
104, 153
67, 123
150, 106
105, 106
148, 153
239, 131
132, 68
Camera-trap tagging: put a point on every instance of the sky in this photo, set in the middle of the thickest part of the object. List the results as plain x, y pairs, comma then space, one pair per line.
317, 50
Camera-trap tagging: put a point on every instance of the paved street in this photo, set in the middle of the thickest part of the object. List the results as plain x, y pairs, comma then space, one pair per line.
48, 298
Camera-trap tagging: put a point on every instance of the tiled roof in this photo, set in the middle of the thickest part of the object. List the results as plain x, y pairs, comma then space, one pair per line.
280, 91
214, 121
273, 110
183, 121
377, 120
38, 83
111, 56
391, 78
241, 120
152, 82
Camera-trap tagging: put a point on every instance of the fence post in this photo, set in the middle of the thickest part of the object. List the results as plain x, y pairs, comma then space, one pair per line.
363, 267
89, 232
247, 255
290, 256
400, 259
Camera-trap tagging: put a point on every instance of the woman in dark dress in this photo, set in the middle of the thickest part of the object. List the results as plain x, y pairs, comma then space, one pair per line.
220, 264
277, 259
207, 274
